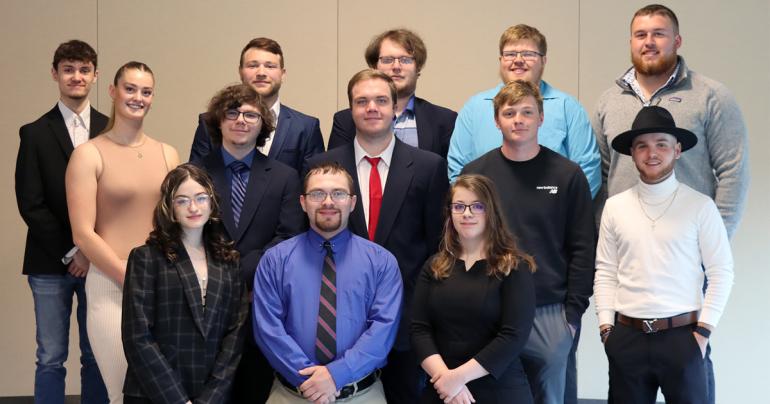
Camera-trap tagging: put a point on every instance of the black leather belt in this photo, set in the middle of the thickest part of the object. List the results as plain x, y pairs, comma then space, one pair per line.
653, 325
346, 391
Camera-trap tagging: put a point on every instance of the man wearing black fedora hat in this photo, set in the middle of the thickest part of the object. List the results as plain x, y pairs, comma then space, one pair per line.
657, 242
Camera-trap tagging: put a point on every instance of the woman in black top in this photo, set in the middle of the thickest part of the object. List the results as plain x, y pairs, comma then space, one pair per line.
183, 300
474, 304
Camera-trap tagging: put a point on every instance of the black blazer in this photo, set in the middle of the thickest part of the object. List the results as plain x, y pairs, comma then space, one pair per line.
44, 152
177, 350
271, 211
434, 127
411, 216
297, 138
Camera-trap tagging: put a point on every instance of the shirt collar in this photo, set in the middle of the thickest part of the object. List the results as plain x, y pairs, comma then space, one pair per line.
276, 109
70, 115
386, 155
228, 158
410, 105
338, 242
663, 188
630, 79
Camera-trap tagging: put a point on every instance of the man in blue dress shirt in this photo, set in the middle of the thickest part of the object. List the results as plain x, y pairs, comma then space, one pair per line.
327, 302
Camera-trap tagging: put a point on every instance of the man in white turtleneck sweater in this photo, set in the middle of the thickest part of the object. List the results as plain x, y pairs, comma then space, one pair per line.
657, 241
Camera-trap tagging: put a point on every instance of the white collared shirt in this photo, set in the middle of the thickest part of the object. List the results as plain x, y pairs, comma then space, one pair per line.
276, 110
78, 126
363, 169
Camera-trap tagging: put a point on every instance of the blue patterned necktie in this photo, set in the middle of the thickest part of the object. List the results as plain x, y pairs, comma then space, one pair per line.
238, 190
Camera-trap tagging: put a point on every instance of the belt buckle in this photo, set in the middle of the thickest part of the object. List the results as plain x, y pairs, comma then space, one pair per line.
648, 326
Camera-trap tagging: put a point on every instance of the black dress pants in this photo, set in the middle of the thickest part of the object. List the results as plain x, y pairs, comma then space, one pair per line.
641, 363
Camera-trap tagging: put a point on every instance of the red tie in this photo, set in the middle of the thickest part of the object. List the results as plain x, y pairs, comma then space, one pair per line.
375, 195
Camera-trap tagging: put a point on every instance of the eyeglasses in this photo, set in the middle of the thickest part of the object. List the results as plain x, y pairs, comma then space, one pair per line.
528, 55
248, 116
185, 201
404, 60
318, 195
476, 208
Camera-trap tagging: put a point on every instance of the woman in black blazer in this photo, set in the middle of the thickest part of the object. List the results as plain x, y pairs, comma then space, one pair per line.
474, 304
183, 300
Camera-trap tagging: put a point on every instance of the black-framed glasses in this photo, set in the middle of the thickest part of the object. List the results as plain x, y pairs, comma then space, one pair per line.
528, 55
185, 201
476, 208
318, 195
248, 116
404, 60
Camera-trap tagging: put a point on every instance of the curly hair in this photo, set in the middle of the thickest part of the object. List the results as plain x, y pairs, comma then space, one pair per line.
167, 234
232, 97
405, 38
502, 253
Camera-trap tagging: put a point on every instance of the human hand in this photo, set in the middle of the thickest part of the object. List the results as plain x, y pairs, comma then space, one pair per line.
78, 267
448, 383
572, 330
320, 388
702, 343
463, 397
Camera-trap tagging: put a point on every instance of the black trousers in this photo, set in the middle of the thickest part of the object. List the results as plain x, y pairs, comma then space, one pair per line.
254, 376
402, 378
641, 363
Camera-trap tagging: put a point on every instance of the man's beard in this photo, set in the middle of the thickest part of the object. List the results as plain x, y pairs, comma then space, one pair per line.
328, 226
661, 66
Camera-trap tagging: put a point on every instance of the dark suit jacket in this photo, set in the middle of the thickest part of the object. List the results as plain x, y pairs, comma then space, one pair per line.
177, 350
271, 211
434, 127
44, 152
411, 216
297, 138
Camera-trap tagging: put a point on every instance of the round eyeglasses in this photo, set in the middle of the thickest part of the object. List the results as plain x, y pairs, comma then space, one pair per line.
185, 201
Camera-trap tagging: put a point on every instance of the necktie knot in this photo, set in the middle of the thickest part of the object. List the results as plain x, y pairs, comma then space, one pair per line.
373, 160
238, 167
328, 248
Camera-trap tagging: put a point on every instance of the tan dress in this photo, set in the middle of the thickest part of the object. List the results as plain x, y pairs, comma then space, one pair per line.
127, 192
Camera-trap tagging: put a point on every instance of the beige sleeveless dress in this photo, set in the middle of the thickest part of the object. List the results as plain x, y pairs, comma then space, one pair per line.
127, 192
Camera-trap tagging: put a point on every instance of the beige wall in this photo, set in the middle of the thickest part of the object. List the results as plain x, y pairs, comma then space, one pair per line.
193, 48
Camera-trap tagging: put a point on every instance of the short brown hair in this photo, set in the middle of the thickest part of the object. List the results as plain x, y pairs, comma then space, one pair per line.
658, 9
232, 97
328, 167
75, 50
265, 44
523, 31
370, 74
405, 38
515, 91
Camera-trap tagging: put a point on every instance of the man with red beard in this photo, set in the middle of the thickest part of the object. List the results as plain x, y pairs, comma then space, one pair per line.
718, 164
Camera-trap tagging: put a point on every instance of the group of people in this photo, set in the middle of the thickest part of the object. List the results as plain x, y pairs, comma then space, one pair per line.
423, 256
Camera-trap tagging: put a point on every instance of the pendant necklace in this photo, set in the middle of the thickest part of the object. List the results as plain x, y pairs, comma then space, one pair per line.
135, 148
654, 220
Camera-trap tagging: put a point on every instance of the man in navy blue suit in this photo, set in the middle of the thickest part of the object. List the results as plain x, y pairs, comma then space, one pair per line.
259, 204
296, 137
401, 191
401, 54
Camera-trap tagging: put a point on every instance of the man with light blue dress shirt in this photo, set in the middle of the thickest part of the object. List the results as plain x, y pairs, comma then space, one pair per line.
565, 130
327, 302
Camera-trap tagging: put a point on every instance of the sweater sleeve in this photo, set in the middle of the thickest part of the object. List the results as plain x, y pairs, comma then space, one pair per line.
717, 263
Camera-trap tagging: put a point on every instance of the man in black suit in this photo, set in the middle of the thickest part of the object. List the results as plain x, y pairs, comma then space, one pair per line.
296, 136
402, 191
401, 55
56, 269
259, 201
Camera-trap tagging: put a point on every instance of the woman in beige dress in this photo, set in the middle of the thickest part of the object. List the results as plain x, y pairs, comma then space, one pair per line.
113, 184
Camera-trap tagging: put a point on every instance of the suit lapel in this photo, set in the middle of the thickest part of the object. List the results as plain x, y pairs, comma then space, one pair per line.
399, 179
59, 129
281, 130
192, 290
214, 294
259, 179
216, 168
425, 135
357, 221
97, 123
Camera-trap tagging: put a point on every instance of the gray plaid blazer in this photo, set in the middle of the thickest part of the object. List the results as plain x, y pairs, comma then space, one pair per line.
177, 350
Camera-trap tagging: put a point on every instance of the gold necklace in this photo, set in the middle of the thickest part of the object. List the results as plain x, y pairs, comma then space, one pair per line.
139, 154
652, 221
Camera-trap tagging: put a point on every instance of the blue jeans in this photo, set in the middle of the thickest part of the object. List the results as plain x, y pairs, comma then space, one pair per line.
52, 295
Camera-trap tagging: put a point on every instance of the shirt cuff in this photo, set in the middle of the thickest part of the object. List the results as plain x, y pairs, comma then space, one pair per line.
340, 373
607, 317
67, 258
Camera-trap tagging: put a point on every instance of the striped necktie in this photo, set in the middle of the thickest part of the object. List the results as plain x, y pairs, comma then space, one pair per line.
238, 189
326, 332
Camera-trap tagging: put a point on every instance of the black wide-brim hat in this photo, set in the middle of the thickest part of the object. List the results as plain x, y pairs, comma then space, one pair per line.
653, 119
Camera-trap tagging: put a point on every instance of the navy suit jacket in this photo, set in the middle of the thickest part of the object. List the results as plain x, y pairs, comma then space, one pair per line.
434, 127
44, 152
176, 350
297, 138
271, 211
411, 216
